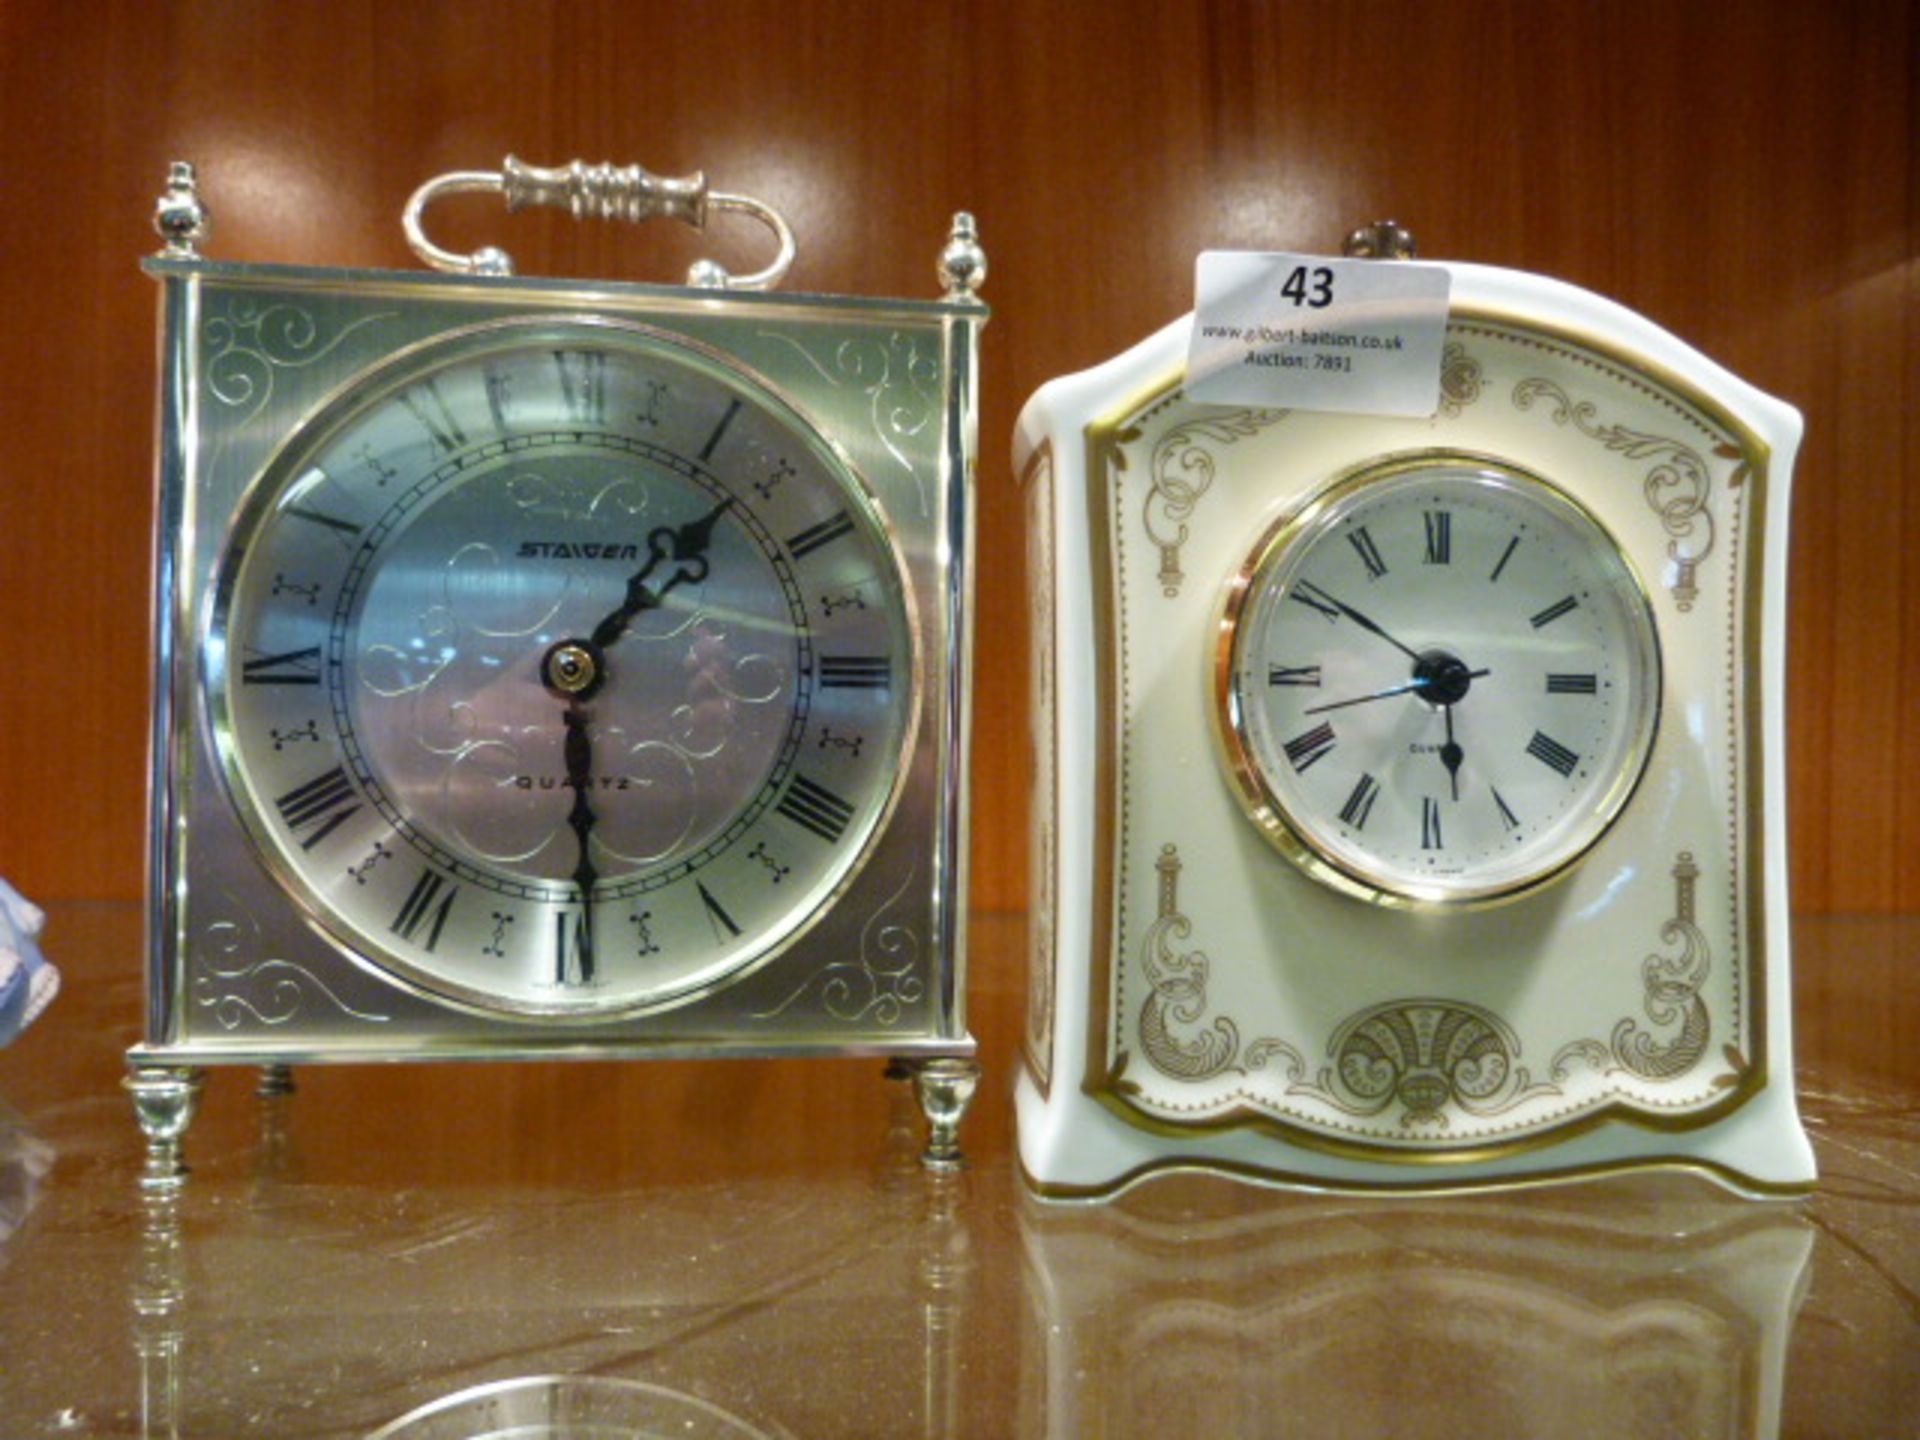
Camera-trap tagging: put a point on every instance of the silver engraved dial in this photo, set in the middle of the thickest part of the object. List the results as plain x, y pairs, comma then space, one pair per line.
1438, 682
561, 668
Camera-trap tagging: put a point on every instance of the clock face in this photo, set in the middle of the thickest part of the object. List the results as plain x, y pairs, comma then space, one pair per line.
1438, 682
561, 668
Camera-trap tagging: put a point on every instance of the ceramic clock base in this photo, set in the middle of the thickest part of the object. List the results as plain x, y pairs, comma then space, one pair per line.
1080, 1150
1409, 803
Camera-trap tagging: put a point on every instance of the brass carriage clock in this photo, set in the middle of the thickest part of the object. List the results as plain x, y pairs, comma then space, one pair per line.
557, 669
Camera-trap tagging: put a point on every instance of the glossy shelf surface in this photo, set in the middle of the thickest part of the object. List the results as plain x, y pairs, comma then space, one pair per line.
752, 1249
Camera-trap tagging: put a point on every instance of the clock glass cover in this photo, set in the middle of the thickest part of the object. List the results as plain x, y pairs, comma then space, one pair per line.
1438, 681
562, 668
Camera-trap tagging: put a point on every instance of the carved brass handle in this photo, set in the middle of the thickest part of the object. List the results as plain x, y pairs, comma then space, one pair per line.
603, 192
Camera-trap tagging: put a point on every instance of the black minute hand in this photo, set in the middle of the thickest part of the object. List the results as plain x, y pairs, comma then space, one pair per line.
579, 753
1354, 615
686, 546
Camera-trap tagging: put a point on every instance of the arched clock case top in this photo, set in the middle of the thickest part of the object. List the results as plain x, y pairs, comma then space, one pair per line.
1414, 807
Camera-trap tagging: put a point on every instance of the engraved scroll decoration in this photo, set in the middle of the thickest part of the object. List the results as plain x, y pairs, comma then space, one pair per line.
1172, 1034
250, 344
1183, 465
878, 988
1427, 1056
1460, 379
1678, 483
1672, 1002
240, 990
1183, 471
900, 380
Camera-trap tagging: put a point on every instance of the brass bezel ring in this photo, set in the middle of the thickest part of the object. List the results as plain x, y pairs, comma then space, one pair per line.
1292, 835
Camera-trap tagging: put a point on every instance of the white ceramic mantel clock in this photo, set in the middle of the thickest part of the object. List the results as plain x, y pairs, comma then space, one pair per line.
557, 669
1410, 803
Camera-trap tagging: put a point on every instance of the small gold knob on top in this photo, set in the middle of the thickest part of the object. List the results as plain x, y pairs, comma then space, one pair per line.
1382, 240
963, 263
180, 215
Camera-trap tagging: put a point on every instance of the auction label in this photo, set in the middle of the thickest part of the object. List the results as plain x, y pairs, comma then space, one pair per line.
1309, 332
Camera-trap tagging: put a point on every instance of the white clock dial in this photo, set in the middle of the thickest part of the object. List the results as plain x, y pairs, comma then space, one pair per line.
562, 668
1438, 681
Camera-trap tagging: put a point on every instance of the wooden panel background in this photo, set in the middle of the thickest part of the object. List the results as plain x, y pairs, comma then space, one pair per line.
1744, 173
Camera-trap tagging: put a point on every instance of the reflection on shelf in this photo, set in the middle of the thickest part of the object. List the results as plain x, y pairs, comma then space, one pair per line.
572, 1407
528, 1312
1645, 1305
24, 1162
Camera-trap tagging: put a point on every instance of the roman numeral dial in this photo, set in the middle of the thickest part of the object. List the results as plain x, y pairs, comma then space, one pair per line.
816, 809
423, 914
562, 668
1440, 681
315, 809
288, 667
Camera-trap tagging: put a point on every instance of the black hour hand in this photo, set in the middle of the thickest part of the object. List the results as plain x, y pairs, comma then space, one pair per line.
686, 547
687, 544
1451, 755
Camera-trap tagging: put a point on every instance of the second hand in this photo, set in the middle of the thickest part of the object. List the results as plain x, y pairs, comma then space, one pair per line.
1419, 683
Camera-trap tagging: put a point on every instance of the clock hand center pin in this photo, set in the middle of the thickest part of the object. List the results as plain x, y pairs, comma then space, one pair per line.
1443, 679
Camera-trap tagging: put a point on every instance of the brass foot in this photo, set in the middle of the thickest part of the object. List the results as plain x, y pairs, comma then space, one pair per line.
946, 1090
164, 1097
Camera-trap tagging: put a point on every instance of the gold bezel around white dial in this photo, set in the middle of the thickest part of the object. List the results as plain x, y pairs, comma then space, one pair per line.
1463, 636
